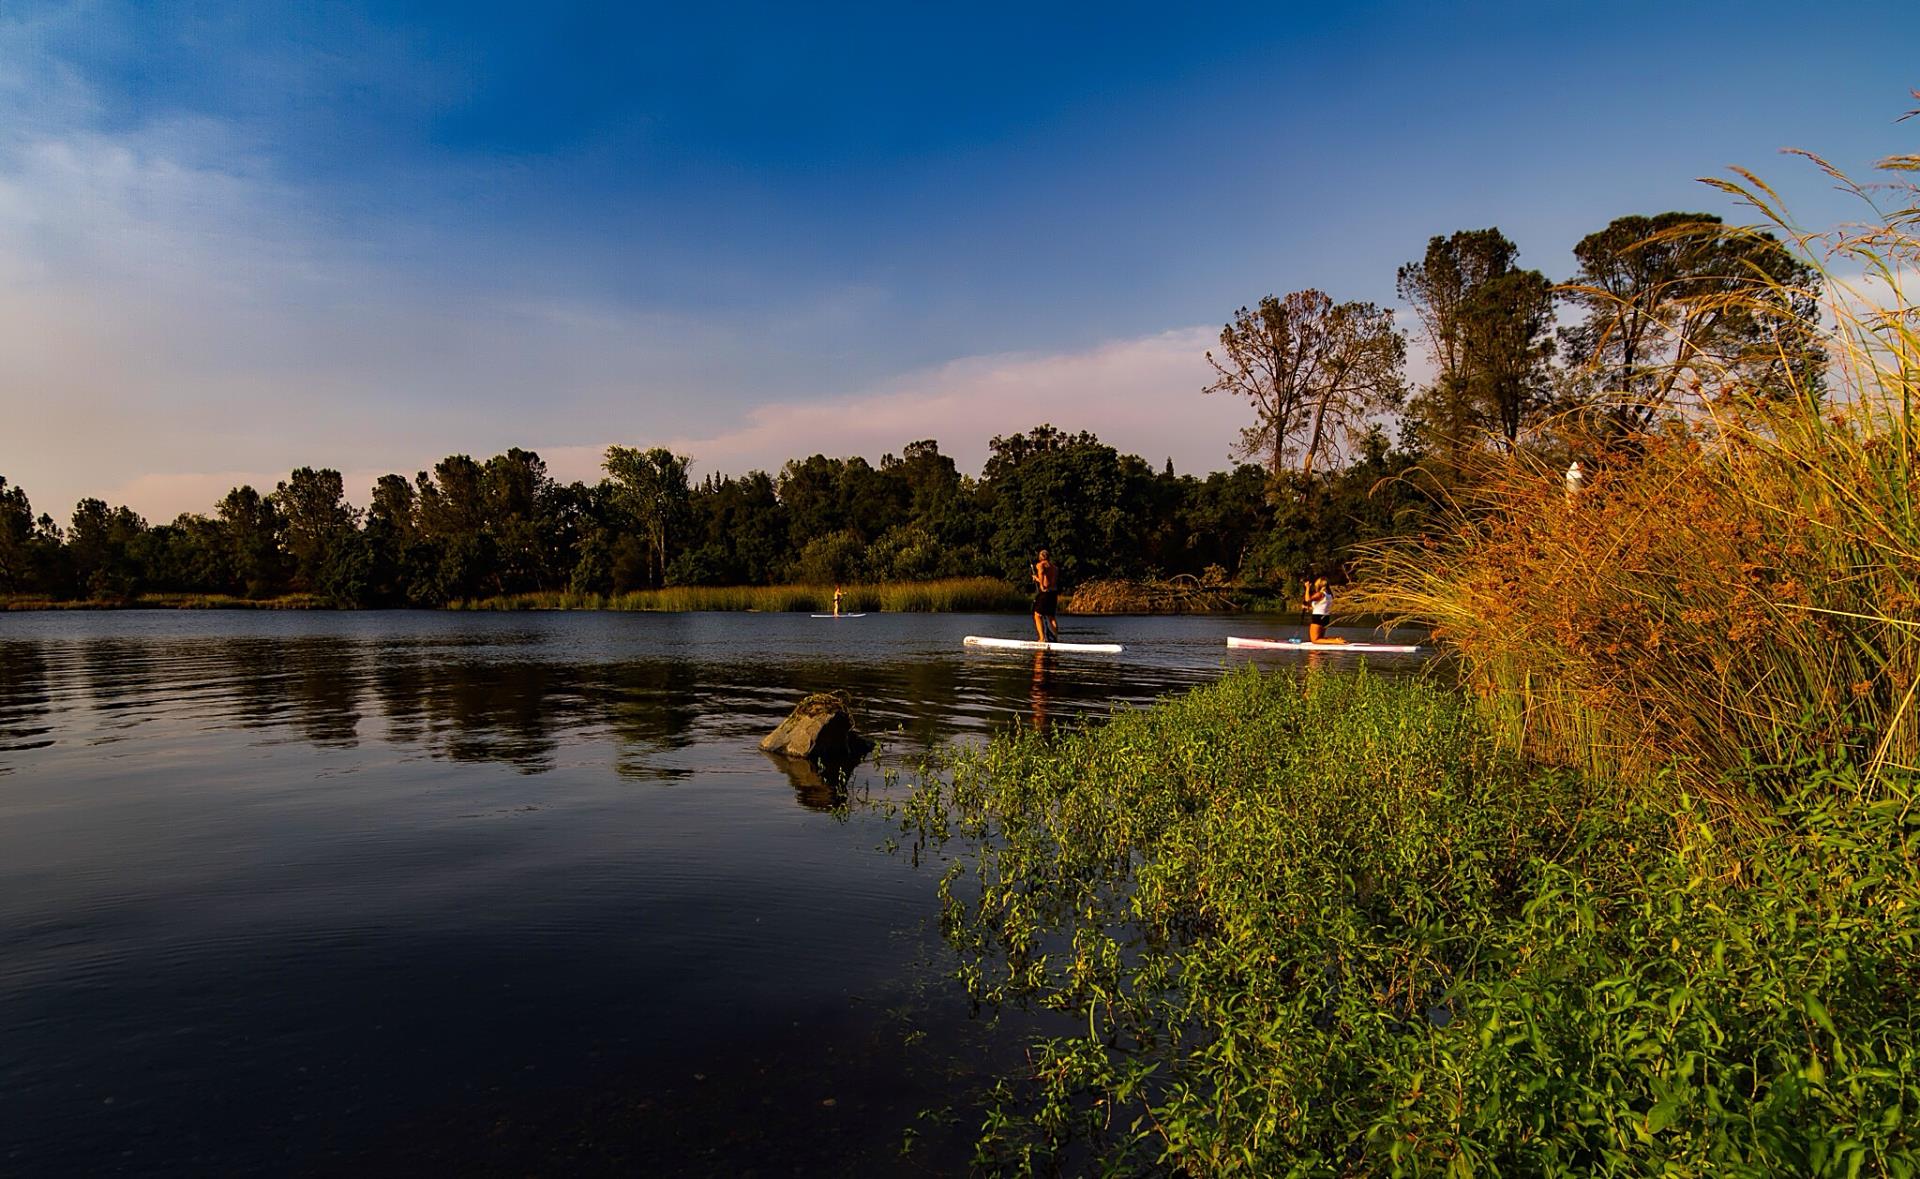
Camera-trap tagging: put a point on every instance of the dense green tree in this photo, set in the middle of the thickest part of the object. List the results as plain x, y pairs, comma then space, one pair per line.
1488, 331
1071, 494
809, 491
1319, 518
519, 498
906, 552
650, 487
315, 520
928, 480
737, 533
1221, 517
101, 545
348, 579
451, 501
252, 526
192, 555
1313, 370
16, 539
1677, 305
568, 514
395, 556
831, 559
456, 552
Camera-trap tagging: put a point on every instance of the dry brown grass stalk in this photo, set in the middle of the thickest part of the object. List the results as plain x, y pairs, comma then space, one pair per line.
1743, 582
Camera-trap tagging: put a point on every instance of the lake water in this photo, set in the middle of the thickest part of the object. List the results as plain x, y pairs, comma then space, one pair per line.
477, 893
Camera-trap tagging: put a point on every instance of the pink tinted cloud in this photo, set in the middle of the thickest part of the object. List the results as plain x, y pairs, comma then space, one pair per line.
1141, 395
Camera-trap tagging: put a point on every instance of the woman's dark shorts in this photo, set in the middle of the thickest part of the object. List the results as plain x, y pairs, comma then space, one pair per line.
1046, 602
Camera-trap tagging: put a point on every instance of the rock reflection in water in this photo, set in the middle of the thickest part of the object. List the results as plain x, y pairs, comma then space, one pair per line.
817, 786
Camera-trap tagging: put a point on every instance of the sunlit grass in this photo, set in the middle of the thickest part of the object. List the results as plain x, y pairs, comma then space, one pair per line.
952, 595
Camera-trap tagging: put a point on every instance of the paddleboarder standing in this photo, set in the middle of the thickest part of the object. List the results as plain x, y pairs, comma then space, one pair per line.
1046, 598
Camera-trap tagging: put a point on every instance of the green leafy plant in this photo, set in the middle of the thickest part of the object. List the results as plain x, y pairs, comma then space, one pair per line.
1328, 925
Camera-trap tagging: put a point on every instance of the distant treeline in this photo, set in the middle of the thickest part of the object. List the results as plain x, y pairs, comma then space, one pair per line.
1663, 315
471, 529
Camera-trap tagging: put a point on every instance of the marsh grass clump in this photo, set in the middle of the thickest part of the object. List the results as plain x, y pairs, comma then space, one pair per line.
1180, 594
1738, 584
1327, 925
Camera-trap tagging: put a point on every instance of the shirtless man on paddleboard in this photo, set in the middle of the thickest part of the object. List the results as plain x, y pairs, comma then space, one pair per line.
1046, 598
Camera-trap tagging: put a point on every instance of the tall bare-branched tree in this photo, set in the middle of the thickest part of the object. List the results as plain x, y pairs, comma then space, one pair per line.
1313, 370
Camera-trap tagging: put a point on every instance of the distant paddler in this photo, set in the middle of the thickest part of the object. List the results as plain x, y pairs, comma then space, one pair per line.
1319, 611
1046, 599
836, 601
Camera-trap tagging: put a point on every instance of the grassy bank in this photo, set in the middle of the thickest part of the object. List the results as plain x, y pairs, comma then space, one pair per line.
166, 601
955, 594
1331, 926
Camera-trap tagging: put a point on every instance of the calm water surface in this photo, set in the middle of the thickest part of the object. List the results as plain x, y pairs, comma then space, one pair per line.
398, 892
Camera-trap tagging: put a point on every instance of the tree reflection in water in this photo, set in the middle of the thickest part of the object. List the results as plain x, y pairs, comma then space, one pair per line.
521, 697
24, 701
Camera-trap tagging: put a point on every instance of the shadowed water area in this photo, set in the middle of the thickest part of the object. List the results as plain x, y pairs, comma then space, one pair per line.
382, 892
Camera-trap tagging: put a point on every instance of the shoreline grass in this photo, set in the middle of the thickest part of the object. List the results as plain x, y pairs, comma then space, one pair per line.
984, 594
166, 601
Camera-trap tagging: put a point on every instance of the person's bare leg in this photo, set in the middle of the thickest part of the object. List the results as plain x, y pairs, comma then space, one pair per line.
1039, 626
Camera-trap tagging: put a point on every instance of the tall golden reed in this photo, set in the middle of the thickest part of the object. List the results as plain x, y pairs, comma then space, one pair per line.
1743, 584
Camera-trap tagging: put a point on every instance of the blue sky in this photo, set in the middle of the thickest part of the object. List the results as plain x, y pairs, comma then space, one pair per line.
236, 238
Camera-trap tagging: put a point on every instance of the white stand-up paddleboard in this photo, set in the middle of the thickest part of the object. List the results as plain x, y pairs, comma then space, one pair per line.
839, 615
1305, 645
1030, 645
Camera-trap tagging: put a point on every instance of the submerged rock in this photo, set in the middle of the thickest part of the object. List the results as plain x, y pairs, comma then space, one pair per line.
820, 727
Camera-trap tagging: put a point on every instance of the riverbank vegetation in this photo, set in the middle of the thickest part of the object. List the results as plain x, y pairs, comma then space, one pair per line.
1328, 924
167, 601
906, 597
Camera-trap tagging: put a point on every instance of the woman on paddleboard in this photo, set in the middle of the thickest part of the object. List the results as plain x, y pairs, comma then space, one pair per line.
1046, 599
1319, 611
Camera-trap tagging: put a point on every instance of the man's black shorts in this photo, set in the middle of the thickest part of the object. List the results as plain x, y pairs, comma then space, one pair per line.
1046, 602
